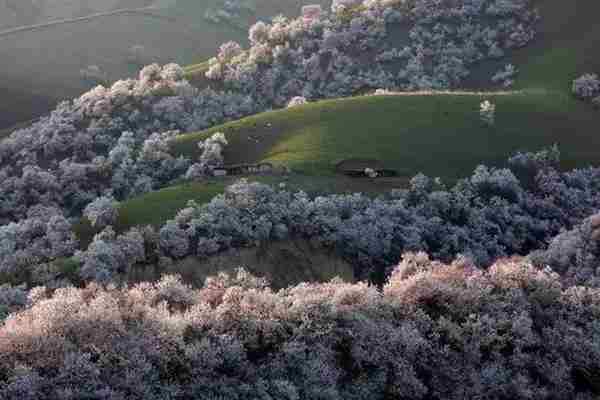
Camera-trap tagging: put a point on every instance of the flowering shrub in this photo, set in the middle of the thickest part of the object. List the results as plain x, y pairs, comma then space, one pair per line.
228, 51
505, 76
435, 332
212, 150
102, 212
211, 157
296, 101
487, 112
575, 254
311, 12
586, 87
44, 235
108, 254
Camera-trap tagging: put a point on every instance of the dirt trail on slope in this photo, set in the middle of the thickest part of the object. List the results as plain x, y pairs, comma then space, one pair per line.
144, 11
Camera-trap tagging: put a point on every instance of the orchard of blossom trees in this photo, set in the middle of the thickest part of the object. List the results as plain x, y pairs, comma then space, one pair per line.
110, 142
331, 54
435, 331
492, 214
486, 289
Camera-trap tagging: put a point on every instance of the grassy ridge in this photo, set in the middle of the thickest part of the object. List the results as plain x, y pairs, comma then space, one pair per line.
437, 134
153, 208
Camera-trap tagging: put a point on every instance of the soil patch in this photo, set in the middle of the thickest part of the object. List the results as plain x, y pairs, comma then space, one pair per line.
283, 263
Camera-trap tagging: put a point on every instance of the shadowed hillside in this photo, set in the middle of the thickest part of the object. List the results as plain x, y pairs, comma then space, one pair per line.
42, 66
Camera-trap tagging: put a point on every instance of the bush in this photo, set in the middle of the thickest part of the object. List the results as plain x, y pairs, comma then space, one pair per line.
12, 299
102, 212
505, 76
212, 151
586, 86
296, 101
575, 254
435, 332
487, 112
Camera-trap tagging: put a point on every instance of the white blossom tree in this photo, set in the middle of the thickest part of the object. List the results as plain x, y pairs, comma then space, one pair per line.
102, 212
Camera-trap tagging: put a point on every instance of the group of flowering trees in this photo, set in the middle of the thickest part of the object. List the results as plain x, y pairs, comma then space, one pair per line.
44, 235
434, 331
331, 54
110, 142
492, 214
89, 153
113, 142
457, 314
575, 253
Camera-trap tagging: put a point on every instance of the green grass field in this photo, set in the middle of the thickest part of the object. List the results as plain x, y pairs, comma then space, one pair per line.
437, 134
153, 208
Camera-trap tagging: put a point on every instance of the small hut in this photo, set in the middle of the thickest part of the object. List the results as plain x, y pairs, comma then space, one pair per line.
356, 167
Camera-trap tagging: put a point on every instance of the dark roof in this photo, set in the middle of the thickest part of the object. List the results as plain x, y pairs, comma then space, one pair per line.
354, 164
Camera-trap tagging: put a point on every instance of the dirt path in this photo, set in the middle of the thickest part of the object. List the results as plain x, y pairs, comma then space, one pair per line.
144, 11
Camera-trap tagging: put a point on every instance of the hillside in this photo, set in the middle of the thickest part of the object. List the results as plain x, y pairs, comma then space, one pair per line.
362, 204
438, 134
42, 67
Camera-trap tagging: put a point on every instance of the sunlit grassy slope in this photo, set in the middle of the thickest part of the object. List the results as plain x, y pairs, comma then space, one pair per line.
439, 134
154, 208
